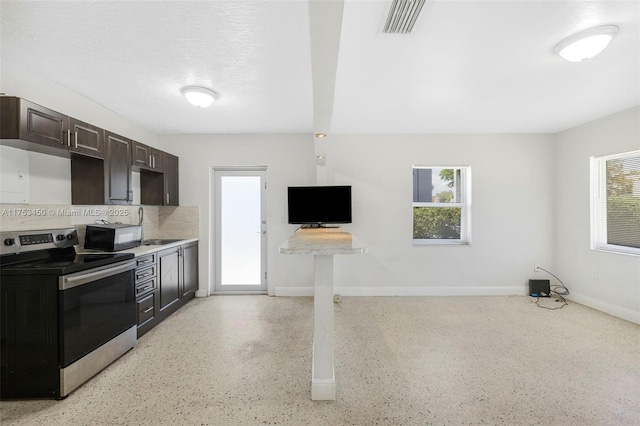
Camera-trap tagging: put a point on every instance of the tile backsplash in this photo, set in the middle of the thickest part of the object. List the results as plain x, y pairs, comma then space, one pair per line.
158, 221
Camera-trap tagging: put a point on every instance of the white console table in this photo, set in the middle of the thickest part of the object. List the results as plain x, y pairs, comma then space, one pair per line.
322, 243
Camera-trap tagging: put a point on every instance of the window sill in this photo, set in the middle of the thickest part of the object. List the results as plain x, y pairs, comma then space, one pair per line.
441, 243
634, 253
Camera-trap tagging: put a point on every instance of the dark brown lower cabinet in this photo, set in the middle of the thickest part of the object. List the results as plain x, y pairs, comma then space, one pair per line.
146, 292
169, 276
168, 281
146, 312
190, 270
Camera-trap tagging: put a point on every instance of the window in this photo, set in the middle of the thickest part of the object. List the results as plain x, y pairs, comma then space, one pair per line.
615, 203
441, 205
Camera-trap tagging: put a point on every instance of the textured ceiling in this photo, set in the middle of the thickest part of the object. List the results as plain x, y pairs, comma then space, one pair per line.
287, 67
483, 66
134, 57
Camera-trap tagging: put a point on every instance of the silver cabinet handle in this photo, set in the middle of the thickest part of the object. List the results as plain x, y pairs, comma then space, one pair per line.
147, 310
76, 139
68, 137
143, 289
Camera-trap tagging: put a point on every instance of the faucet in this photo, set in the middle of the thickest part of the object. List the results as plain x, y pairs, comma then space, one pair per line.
140, 218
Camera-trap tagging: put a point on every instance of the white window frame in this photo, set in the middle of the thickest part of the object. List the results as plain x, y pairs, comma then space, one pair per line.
598, 167
464, 204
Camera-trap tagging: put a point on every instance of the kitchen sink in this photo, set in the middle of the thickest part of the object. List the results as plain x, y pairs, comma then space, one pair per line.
159, 242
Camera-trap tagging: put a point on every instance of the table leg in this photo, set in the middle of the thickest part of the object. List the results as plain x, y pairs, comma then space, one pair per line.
323, 382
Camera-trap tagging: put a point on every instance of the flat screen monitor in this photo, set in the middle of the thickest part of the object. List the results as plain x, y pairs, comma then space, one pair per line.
317, 205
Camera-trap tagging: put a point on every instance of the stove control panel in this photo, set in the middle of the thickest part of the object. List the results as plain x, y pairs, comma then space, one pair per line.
24, 241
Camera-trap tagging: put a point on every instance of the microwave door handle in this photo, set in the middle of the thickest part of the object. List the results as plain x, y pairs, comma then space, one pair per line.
69, 281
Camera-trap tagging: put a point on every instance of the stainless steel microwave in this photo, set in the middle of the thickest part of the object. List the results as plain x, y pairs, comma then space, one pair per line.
112, 236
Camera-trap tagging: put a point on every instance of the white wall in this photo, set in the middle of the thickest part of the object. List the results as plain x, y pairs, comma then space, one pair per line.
290, 160
512, 213
50, 176
617, 287
530, 201
14, 176
16, 80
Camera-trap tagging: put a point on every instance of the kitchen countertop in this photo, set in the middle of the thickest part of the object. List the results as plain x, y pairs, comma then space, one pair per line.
144, 249
322, 241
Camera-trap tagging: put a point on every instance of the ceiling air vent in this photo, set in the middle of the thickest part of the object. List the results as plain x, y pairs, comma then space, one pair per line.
402, 16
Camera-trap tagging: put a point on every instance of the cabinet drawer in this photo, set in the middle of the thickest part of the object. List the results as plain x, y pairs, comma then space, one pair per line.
146, 260
145, 273
146, 287
146, 309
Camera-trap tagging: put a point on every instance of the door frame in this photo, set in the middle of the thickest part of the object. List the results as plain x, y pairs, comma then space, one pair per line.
214, 226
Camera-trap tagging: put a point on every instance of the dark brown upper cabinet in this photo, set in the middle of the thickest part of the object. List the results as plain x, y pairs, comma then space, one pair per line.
161, 188
85, 139
170, 180
118, 186
101, 161
157, 160
144, 157
140, 155
26, 125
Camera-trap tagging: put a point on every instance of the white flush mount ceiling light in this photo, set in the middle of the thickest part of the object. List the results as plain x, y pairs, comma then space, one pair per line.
586, 44
199, 96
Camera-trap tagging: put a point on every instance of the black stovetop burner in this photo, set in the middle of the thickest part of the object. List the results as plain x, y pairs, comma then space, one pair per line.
57, 262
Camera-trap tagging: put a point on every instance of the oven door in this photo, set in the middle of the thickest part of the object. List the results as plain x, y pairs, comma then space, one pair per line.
96, 305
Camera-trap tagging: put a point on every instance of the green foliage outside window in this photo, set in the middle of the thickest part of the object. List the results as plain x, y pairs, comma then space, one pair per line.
436, 223
448, 175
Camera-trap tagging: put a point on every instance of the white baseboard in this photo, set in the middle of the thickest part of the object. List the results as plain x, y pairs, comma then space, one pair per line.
201, 293
409, 291
616, 311
294, 291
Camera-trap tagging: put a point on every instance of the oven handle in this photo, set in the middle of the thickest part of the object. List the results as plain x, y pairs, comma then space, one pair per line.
73, 280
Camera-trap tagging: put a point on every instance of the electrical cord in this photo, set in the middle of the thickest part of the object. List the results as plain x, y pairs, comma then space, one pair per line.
554, 290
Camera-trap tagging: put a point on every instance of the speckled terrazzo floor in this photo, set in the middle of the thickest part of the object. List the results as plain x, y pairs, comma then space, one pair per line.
246, 360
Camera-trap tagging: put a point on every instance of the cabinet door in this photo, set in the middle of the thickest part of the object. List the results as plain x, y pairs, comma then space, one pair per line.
170, 180
169, 277
118, 169
190, 270
157, 160
42, 125
141, 155
86, 139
